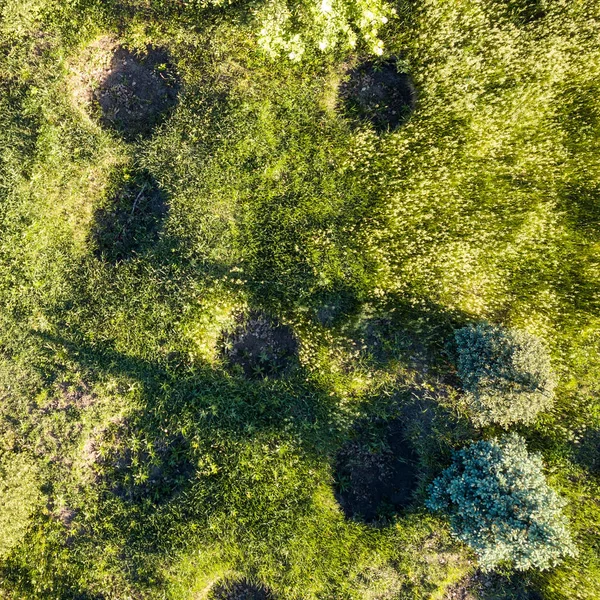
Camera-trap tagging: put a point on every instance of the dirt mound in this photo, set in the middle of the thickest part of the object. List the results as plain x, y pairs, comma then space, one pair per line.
260, 345
131, 220
128, 91
375, 92
240, 590
492, 586
376, 473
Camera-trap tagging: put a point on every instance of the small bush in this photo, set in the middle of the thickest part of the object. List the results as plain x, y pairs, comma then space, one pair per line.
500, 504
289, 29
505, 373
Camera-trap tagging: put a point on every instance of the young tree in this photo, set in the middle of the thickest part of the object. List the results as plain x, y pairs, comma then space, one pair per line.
289, 28
500, 504
506, 374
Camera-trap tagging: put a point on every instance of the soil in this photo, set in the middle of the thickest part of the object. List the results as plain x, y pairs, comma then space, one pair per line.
374, 480
240, 590
491, 586
260, 346
377, 93
131, 221
167, 474
137, 91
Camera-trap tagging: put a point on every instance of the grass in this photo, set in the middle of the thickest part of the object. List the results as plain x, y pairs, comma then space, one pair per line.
161, 469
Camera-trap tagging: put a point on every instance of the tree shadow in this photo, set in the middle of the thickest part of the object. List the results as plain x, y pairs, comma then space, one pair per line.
376, 93
376, 472
526, 12
153, 461
408, 432
131, 220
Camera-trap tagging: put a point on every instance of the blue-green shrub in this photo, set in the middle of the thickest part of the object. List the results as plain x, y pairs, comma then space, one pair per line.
501, 506
506, 374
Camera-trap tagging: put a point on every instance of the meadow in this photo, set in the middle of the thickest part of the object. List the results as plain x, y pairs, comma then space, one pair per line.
231, 269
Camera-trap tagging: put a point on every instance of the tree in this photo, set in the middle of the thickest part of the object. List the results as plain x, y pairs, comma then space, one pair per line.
289, 28
500, 505
506, 374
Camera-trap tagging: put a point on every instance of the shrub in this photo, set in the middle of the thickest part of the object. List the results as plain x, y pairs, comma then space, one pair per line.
500, 505
289, 28
19, 496
505, 373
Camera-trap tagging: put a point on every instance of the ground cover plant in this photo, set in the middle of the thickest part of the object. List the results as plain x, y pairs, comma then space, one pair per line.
229, 293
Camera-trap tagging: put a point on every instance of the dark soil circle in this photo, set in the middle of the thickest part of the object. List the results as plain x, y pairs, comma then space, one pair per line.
260, 345
376, 473
131, 221
375, 92
137, 92
240, 590
153, 475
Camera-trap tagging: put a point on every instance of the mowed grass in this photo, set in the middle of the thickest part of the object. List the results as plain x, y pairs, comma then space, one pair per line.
156, 469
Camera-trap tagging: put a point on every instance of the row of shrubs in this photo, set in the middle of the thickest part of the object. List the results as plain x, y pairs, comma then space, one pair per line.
495, 492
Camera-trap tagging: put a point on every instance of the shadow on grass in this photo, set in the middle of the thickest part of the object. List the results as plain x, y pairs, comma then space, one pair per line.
131, 221
376, 472
166, 466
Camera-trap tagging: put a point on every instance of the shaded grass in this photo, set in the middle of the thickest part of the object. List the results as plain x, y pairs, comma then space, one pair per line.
372, 248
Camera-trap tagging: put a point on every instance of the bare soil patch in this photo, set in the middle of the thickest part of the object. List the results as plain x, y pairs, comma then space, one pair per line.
157, 476
260, 345
492, 586
375, 92
131, 221
155, 472
376, 475
129, 91
240, 590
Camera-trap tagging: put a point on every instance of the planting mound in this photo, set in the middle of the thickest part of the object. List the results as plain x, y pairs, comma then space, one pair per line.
492, 586
135, 91
154, 473
374, 479
260, 345
131, 220
377, 93
240, 590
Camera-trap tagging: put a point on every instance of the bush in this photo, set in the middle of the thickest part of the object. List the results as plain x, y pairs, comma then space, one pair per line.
500, 505
289, 29
505, 373
19, 496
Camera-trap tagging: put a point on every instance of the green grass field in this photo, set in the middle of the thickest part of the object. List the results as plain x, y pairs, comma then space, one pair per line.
145, 451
